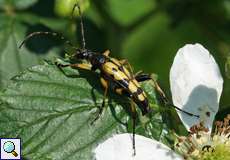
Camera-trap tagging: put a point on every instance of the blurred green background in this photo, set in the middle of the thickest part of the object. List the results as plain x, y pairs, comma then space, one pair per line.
146, 32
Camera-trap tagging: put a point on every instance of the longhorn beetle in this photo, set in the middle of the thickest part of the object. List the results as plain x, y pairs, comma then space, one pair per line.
115, 74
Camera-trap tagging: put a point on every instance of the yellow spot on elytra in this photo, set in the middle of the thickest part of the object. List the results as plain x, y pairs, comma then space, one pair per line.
132, 87
141, 97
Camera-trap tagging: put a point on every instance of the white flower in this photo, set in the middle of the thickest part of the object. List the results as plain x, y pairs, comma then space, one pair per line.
119, 147
196, 86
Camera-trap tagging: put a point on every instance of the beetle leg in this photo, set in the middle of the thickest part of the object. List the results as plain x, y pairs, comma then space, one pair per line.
145, 77
106, 53
105, 84
167, 102
139, 73
133, 111
126, 62
140, 77
160, 91
121, 91
134, 116
84, 66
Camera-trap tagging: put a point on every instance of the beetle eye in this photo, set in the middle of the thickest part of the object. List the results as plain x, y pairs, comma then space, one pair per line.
102, 60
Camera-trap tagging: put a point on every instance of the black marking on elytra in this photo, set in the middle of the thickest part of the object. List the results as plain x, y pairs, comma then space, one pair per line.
112, 76
144, 106
121, 68
126, 81
123, 83
139, 91
114, 69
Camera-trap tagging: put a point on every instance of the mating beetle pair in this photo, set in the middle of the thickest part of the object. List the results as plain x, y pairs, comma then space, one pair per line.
115, 74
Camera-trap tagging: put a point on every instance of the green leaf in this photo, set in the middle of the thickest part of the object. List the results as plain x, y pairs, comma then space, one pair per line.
51, 112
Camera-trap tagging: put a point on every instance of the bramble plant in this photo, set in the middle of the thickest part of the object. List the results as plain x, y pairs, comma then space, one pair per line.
51, 112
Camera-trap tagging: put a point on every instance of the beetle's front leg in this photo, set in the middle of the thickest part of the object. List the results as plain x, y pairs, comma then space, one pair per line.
106, 53
126, 63
84, 66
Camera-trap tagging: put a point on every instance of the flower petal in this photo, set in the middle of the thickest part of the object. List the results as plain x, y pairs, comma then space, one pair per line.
119, 147
196, 85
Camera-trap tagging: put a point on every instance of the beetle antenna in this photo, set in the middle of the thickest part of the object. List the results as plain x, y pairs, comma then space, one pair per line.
54, 34
81, 23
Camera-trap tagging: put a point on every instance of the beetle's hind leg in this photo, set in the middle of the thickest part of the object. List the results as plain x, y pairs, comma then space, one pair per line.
144, 77
105, 84
140, 77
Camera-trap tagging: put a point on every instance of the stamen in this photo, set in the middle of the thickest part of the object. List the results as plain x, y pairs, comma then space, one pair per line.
200, 144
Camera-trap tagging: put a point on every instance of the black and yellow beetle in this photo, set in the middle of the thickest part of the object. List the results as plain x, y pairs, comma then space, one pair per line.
115, 74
